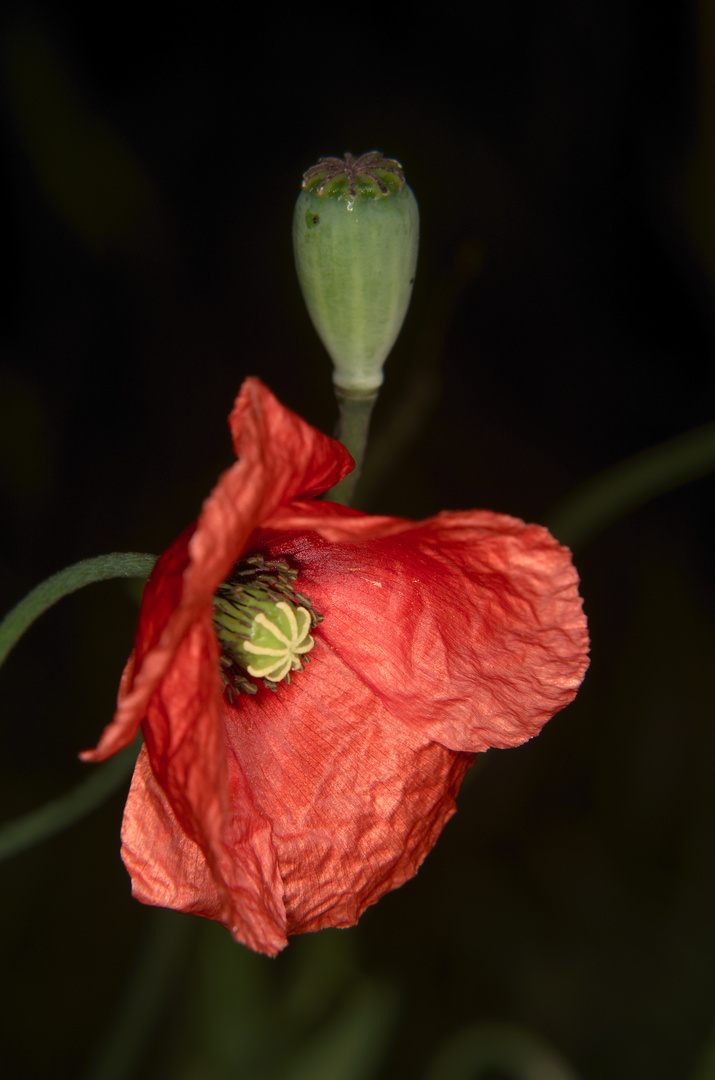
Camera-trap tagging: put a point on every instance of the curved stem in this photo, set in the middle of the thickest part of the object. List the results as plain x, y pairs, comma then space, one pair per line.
631, 483
124, 564
55, 816
353, 427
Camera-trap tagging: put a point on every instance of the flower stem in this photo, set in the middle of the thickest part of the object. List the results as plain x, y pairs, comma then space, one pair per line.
55, 816
60, 813
124, 564
352, 431
146, 995
626, 486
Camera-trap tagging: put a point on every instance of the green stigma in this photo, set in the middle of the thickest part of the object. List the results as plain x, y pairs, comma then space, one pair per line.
263, 626
371, 176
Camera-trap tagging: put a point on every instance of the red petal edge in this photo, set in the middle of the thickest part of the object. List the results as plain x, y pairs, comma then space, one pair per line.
172, 687
296, 810
468, 625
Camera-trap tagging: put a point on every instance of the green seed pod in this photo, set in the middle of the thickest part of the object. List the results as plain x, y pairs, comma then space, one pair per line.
355, 240
261, 632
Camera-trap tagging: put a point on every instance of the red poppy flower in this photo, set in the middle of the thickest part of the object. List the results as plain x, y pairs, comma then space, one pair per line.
297, 805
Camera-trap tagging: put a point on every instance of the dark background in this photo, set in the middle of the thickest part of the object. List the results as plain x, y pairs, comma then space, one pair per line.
563, 157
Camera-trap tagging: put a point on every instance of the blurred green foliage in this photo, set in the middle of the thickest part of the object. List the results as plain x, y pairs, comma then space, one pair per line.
563, 157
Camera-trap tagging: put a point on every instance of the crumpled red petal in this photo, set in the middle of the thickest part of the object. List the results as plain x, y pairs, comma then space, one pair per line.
468, 626
295, 810
172, 687
280, 458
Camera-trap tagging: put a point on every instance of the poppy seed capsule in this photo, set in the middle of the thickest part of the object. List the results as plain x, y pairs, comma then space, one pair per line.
262, 624
265, 636
355, 241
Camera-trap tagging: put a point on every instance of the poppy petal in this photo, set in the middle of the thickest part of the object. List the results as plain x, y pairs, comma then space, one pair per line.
296, 808
168, 869
280, 457
356, 800
468, 626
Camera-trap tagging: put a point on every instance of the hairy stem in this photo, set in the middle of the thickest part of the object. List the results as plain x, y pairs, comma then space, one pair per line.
118, 564
60, 813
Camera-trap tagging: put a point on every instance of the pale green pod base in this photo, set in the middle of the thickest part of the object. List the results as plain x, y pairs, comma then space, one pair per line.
356, 262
